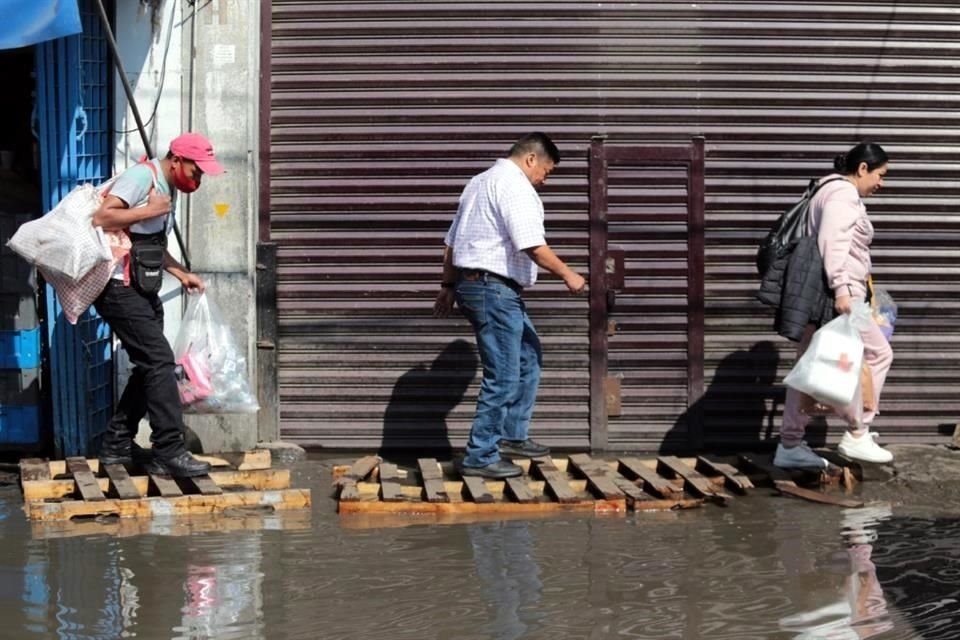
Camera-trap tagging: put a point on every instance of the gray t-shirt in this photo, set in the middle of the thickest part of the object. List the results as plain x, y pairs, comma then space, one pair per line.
133, 187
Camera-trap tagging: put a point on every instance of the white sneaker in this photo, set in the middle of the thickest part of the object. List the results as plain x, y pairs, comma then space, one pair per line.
864, 448
798, 457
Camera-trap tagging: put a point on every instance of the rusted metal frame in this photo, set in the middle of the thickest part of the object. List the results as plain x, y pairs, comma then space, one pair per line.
696, 248
268, 388
268, 393
263, 178
599, 235
660, 155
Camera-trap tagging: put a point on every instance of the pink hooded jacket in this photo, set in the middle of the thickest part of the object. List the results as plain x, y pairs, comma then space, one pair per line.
839, 219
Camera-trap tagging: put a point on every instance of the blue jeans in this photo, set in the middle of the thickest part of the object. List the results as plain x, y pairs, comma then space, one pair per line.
511, 356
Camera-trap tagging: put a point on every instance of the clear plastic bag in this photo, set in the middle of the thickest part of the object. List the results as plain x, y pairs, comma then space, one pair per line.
884, 311
211, 371
829, 370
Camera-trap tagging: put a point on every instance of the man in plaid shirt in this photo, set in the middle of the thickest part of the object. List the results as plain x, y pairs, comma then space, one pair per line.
493, 250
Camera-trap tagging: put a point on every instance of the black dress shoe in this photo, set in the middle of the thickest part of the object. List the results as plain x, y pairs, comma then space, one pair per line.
523, 448
497, 470
182, 465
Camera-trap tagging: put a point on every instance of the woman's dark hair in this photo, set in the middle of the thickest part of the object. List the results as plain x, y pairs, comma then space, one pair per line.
872, 154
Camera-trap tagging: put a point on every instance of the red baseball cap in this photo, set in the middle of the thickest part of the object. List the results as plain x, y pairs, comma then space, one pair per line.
196, 147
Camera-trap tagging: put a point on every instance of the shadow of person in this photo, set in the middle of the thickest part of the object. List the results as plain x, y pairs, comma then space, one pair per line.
416, 416
738, 409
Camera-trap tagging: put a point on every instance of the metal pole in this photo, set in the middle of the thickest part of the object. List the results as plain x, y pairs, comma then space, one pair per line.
128, 90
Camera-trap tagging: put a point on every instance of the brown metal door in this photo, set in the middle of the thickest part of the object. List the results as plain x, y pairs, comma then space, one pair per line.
646, 307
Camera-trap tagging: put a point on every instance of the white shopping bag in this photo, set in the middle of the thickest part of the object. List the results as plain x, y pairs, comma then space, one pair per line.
829, 370
64, 243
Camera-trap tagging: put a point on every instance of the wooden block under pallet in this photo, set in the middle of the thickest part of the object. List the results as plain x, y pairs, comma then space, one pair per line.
258, 480
181, 505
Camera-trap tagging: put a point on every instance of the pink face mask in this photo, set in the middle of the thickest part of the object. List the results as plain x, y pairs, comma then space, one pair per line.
182, 181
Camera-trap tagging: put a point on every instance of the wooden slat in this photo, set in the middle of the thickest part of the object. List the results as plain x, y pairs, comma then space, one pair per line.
517, 487
433, 488
390, 489
634, 469
732, 476
348, 490
173, 506
790, 488
86, 483
240, 460
597, 478
34, 470
477, 489
121, 486
165, 486
204, 485
556, 481
695, 482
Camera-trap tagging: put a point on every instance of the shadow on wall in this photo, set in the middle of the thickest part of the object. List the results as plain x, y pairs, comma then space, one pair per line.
416, 417
741, 407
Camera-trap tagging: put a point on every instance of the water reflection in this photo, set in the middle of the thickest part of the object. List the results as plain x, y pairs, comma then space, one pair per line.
762, 569
859, 610
503, 553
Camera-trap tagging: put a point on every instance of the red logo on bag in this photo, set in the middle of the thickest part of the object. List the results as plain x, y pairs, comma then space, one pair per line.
844, 363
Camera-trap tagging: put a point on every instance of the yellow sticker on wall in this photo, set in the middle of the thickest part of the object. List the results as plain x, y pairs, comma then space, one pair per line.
221, 208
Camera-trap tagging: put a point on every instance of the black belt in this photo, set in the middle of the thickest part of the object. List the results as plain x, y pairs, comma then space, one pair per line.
481, 275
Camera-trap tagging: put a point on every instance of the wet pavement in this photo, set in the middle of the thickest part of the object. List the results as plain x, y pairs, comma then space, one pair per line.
762, 568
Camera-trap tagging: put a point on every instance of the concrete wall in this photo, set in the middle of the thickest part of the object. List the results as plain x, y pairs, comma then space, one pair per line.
213, 92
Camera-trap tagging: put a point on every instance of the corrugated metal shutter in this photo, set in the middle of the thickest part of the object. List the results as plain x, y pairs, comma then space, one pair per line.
380, 111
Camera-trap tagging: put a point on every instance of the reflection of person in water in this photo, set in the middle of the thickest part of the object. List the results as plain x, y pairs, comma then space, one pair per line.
509, 577
861, 612
416, 416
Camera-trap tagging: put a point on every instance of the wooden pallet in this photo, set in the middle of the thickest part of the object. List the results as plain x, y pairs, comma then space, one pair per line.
78, 488
574, 483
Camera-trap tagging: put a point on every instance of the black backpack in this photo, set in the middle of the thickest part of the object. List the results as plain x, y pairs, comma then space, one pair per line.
789, 227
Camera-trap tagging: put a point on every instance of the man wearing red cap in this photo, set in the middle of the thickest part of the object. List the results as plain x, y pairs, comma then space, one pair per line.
141, 201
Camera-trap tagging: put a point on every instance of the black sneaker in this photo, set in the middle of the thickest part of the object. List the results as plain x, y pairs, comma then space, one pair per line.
182, 465
496, 470
523, 448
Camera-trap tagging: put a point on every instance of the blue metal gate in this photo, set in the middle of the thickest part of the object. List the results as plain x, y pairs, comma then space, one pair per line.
73, 108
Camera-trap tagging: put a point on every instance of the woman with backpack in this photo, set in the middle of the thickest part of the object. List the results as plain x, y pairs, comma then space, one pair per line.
839, 221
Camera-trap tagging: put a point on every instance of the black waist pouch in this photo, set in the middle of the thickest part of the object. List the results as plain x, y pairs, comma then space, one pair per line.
146, 264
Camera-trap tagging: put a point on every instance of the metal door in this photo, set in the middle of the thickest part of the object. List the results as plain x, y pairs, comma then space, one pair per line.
73, 128
646, 306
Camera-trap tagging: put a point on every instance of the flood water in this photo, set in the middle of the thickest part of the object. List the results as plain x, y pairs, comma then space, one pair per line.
763, 568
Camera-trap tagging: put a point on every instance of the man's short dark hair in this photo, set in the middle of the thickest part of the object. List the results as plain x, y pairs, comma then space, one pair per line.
538, 143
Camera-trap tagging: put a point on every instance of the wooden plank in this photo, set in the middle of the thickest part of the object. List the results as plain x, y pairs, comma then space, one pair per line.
634, 469
256, 480
466, 508
360, 469
120, 484
556, 481
34, 470
731, 475
348, 490
165, 486
182, 505
790, 488
86, 484
433, 488
390, 490
517, 487
477, 489
632, 491
204, 485
239, 460
597, 478
695, 482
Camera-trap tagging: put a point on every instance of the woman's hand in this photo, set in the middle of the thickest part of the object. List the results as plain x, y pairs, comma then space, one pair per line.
843, 304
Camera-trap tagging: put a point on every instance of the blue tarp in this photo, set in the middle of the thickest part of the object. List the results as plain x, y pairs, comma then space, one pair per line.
26, 22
